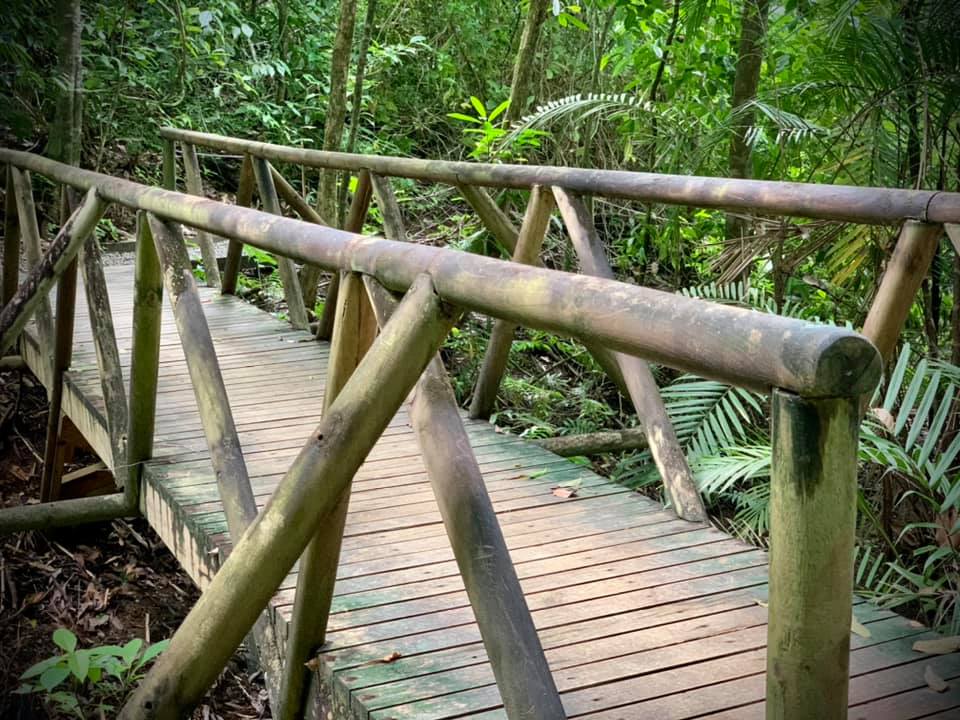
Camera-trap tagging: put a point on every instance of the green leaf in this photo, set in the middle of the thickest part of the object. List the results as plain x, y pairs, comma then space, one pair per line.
64, 639
130, 651
79, 664
499, 109
151, 652
40, 667
53, 677
465, 118
478, 106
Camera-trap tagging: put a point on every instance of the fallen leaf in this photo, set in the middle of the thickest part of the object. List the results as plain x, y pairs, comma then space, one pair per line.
884, 416
313, 664
858, 628
564, 492
761, 603
938, 646
916, 624
934, 681
391, 657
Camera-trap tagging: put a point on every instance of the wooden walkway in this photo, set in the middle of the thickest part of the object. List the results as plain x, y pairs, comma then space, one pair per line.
641, 615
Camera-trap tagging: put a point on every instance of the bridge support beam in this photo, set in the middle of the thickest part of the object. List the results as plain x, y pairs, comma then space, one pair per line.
813, 510
300, 505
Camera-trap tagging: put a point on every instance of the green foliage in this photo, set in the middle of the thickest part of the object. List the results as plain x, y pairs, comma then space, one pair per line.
78, 681
490, 141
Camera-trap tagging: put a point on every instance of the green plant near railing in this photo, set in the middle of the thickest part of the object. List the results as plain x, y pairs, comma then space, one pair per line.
79, 680
489, 139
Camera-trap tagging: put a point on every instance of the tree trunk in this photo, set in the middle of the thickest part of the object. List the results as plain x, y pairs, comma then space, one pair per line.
753, 26
336, 104
65, 133
520, 87
283, 45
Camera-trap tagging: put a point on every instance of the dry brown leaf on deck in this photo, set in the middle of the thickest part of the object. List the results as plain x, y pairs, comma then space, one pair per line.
934, 681
884, 416
938, 646
391, 657
859, 628
313, 664
564, 492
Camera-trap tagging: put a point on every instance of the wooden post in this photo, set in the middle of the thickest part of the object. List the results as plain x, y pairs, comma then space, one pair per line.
662, 439
208, 252
231, 268
144, 357
907, 268
11, 240
300, 505
288, 271
108, 356
318, 565
509, 635
492, 217
604, 441
526, 251
59, 256
812, 525
358, 213
64, 513
226, 456
393, 227
30, 237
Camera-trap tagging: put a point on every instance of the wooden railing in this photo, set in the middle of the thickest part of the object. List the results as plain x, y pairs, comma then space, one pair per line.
816, 375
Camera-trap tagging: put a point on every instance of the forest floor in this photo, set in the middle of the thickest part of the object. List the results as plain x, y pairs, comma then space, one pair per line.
107, 583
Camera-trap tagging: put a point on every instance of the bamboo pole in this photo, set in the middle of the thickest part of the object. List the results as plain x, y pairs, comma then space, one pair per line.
105, 347
527, 252
605, 441
845, 203
65, 513
304, 499
739, 346
907, 268
59, 256
231, 268
318, 565
194, 179
506, 627
229, 467
662, 439
11, 239
492, 217
30, 237
288, 271
144, 357
812, 526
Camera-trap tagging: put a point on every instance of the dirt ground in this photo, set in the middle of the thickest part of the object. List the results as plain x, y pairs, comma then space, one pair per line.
107, 583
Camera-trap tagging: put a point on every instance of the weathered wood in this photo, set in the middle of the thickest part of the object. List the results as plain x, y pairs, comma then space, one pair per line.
144, 358
509, 635
318, 565
906, 269
231, 268
60, 254
11, 239
108, 356
492, 217
354, 224
678, 481
828, 202
194, 181
308, 493
212, 402
30, 237
64, 513
736, 345
393, 227
813, 509
526, 251
605, 441
12, 362
288, 271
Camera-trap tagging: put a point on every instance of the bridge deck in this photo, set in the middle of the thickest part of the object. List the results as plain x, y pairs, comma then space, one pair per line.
641, 614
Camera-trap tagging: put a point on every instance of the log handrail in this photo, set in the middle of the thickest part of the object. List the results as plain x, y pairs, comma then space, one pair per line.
743, 347
846, 203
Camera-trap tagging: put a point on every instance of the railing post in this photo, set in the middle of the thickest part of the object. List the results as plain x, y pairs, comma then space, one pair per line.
30, 237
492, 217
300, 505
11, 240
144, 358
288, 271
194, 178
231, 268
907, 268
813, 509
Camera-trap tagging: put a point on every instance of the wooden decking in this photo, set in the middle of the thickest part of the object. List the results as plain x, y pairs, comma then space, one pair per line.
641, 615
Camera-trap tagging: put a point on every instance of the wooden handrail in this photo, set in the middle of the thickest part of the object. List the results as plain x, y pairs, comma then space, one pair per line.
826, 202
743, 347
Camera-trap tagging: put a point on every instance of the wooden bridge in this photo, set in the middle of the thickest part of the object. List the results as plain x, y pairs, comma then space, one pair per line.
607, 604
